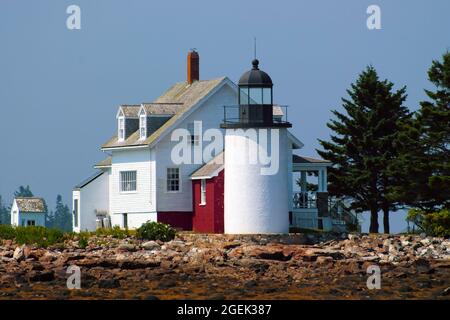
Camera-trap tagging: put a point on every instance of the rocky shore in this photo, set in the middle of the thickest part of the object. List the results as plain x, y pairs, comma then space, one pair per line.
196, 266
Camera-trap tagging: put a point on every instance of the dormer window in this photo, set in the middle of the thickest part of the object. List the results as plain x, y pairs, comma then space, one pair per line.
143, 125
121, 128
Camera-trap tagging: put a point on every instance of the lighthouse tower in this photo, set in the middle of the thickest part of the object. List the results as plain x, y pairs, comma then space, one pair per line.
256, 197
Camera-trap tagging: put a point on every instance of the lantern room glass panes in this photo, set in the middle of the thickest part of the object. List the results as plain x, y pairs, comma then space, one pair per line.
255, 95
243, 95
267, 95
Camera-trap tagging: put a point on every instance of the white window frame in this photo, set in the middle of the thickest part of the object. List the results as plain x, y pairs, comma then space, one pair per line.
142, 126
129, 176
203, 192
121, 128
170, 179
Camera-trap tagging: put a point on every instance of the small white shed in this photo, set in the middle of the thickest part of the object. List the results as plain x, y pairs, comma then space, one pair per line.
28, 211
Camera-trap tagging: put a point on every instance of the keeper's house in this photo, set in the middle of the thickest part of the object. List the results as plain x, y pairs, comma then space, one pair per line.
139, 182
28, 211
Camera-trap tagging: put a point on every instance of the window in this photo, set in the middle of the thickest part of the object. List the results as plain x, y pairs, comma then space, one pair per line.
31, 223
143, 126
203, 192
193, 139
75, 212
121, 127
127, 181
173, 179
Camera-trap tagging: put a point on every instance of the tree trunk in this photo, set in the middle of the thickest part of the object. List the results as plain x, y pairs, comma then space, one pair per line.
386, 219
373, 220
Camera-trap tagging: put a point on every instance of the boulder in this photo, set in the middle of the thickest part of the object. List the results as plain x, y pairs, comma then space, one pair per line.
150, 245
19, 253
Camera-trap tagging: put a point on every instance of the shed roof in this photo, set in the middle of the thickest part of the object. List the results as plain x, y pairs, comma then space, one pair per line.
105, 163
210, 169
303, 159
31, 204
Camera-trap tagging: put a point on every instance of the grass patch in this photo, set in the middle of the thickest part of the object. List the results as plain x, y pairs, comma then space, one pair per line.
44, 237
35, 235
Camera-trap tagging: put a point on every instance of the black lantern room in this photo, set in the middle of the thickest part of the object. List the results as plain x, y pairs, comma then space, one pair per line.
255, 100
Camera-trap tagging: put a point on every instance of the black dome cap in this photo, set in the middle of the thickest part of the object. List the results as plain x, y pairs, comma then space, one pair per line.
255, 77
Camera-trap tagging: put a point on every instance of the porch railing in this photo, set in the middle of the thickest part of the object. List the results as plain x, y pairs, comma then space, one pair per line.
304, 200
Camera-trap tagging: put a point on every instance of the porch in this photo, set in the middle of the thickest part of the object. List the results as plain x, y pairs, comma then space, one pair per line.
309, 200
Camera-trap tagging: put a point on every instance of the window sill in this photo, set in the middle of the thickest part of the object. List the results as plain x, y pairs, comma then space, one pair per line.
128, 192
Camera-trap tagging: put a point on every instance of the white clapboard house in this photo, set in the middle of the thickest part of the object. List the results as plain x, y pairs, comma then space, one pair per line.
139, 182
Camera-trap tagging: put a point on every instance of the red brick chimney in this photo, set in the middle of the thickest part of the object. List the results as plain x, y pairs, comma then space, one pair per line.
193, 66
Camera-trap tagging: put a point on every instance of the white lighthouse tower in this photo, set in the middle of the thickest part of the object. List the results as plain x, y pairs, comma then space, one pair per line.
256, 192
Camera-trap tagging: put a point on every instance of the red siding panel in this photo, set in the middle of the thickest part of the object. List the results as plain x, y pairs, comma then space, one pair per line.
177, 219
208, 218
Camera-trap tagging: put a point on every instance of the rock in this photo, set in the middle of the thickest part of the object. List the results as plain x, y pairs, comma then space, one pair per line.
138, 264
165, 284
44, 276
446, 292
124, 247
19, 253
324, 260
353, 237
109, 283
231, 245
216, 296
151, 245
151, 297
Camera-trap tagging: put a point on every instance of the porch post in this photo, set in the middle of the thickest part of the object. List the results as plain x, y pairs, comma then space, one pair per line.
320, 187
303, 181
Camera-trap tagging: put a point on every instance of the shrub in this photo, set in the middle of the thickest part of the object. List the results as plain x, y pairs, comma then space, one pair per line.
115, 232
156, 231
435, 224
83, 241
37, 235
7, 232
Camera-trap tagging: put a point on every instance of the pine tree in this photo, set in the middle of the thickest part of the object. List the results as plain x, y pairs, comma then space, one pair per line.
427, 146
62, 218
5, 217
363, 145
23, 192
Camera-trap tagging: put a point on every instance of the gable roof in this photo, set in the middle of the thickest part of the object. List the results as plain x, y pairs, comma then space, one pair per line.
31, 204
129, 110
182, 93
210, 169
89, 180
161, 108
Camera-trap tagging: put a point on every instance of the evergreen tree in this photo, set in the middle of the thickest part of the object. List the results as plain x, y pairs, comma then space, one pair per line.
62, 218
5, 217
364, 145
434, 120
23, 192
426, 147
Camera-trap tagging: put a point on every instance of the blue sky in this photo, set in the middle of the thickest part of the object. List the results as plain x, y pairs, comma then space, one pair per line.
60, 88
